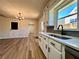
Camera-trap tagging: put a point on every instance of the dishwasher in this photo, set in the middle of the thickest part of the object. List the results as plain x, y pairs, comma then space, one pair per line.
71, 53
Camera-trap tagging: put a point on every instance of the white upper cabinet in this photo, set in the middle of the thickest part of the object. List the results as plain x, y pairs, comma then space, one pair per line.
51, 18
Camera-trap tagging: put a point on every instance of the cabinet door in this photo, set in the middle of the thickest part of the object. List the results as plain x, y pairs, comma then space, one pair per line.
42, 44
54, 53
46, 48
40, 41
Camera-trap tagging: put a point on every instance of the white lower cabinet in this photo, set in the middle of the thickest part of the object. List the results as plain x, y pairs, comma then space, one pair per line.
50, 48
43, 43
45, 49
40, 42
53, 53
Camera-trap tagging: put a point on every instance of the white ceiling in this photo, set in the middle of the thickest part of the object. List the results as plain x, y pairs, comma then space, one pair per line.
28, 8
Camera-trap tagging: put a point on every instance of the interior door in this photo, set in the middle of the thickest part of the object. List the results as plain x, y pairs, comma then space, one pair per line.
31, 28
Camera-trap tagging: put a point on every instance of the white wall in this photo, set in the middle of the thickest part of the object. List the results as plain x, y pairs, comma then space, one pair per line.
5, 28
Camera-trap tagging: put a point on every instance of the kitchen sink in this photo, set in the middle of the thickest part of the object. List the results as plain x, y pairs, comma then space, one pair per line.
60, 37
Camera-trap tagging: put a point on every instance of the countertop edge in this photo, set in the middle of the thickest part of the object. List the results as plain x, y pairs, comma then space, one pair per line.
65, 42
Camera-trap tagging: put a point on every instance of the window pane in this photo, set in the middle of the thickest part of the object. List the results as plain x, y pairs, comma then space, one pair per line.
69, 9
69, 22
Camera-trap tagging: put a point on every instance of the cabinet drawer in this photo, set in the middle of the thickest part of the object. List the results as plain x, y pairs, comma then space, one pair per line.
45, 38
55, 44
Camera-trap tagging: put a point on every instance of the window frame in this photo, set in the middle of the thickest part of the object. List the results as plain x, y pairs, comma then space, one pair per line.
61, 7
66, 7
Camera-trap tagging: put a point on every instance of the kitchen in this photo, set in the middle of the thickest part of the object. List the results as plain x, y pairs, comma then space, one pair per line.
39, 29
58, 38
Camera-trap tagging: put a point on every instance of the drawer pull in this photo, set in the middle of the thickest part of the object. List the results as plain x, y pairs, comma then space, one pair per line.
39, 39
48, 49
44, 38
52, 44
46, 46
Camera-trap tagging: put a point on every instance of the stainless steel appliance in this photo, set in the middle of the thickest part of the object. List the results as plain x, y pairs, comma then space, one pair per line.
71, 53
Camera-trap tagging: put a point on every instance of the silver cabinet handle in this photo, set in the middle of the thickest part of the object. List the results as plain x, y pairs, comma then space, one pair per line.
52, 44
46, 46
48, 49
39, 39
44, 38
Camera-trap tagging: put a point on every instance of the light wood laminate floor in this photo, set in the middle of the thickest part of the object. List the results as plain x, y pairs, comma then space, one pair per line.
24, 48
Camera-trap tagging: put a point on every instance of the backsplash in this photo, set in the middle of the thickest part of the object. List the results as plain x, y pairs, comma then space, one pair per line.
50, 28
72, 33
69, 33
66, 32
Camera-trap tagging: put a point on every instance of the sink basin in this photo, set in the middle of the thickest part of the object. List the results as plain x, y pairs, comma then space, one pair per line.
64, 38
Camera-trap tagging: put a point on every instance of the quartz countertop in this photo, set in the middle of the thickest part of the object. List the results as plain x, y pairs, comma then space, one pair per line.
73, 42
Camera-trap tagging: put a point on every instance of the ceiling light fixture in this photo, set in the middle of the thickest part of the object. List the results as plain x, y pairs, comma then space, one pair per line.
20, 17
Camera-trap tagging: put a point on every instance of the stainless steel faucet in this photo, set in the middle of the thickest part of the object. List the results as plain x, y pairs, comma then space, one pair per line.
61, 29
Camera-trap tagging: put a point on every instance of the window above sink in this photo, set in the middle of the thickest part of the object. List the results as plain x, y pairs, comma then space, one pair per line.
67, 16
